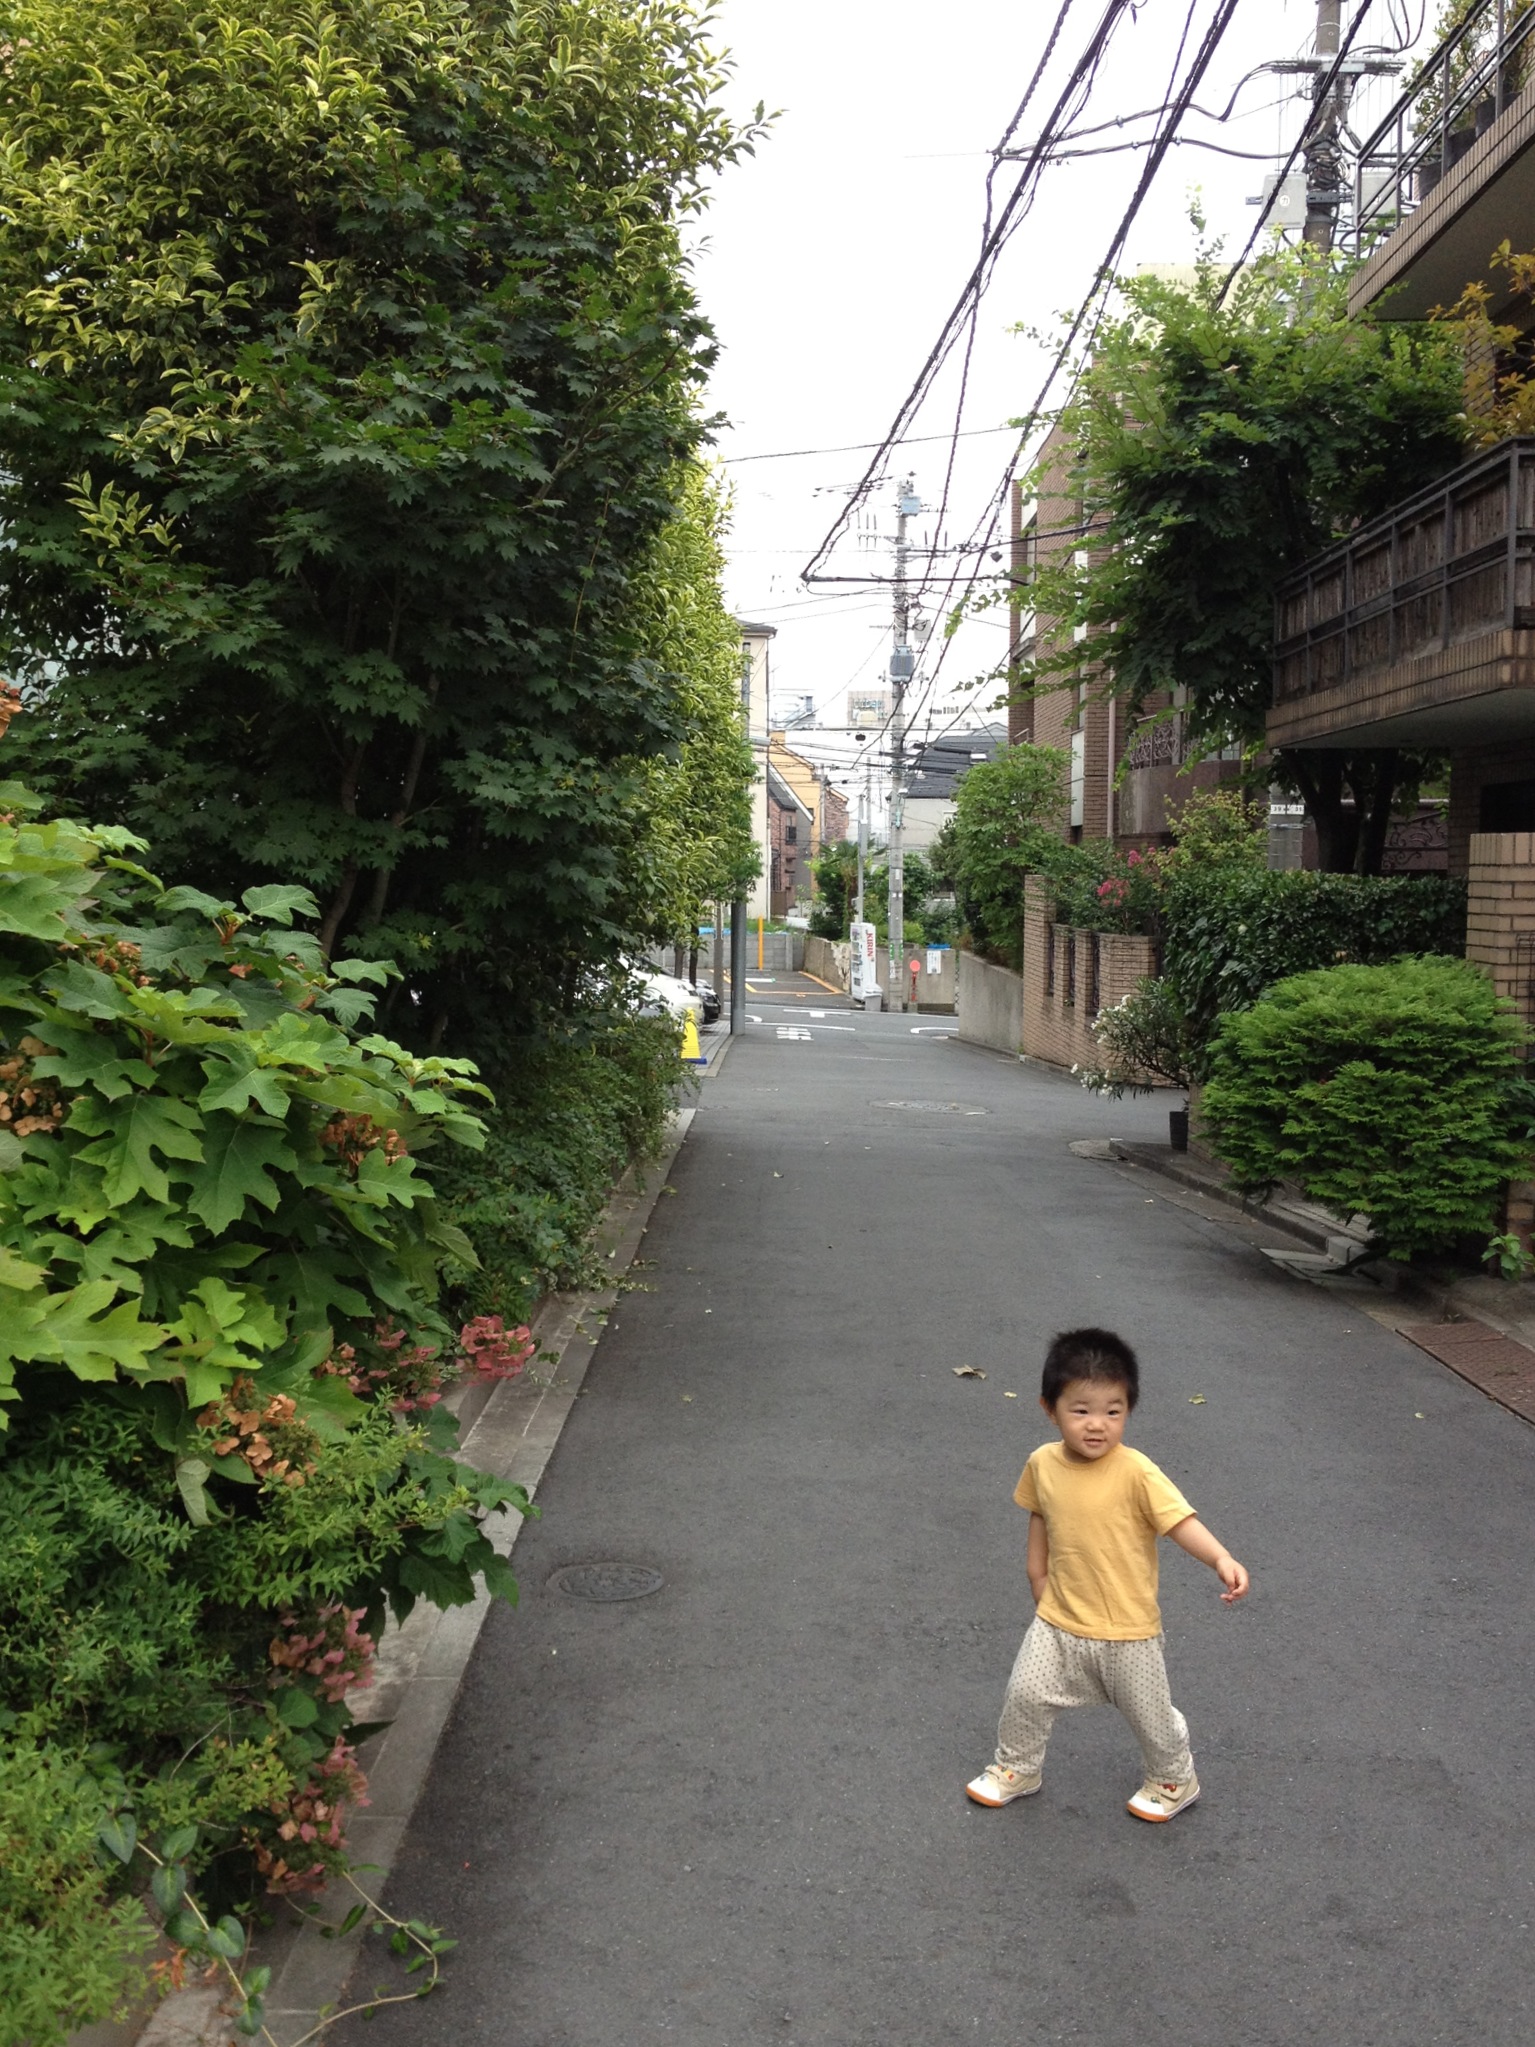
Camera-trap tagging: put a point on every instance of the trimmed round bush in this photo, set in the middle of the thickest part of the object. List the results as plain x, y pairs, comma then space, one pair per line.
1385, 1091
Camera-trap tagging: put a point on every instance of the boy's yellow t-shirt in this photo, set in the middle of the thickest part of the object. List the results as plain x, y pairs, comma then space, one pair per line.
1102, 1520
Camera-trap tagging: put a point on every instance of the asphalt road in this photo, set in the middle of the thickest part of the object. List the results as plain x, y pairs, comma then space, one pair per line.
732, 1812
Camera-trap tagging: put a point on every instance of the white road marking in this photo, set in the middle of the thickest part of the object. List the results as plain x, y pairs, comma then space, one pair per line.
933, 1030
792, 1031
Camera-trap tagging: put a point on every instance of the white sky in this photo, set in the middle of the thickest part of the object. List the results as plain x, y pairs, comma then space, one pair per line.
831, 259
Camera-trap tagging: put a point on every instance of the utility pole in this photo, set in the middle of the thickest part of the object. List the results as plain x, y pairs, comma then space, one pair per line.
738, 907
903, 664
863, 838
1324, 145
1325, 154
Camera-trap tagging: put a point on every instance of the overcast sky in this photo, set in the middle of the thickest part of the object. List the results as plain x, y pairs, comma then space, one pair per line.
831, 259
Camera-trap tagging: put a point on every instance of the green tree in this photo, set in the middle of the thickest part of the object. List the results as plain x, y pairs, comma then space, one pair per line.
836, 890
1007, 818
347, 375
1221, 444
697, 804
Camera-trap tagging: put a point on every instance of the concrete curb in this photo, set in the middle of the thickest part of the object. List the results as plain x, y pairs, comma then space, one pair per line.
511, 1430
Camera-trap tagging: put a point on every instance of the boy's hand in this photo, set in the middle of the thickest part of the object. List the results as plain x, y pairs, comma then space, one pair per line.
1233, 1576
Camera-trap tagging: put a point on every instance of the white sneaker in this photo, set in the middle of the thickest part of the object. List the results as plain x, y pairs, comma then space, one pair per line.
996, 1786
1159, 1801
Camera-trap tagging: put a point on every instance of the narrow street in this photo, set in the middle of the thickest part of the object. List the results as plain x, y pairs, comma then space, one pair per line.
732, 1812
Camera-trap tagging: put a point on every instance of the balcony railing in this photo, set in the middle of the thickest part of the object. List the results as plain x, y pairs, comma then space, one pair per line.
1452, 564
1452, 98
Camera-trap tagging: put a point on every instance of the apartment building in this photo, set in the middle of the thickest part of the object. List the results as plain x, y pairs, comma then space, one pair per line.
1419, 629
1126, 770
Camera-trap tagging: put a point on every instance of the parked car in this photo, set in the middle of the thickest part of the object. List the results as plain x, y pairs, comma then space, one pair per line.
665, 995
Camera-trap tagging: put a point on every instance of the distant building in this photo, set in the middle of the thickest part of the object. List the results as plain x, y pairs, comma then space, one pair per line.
868, 709
823, 807
756, 679
791, 827
834, 815
934, 777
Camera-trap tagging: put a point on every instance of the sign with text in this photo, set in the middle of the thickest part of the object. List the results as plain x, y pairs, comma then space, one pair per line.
864, 979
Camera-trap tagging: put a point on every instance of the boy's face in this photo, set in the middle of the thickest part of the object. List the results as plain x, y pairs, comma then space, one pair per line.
1091, 1417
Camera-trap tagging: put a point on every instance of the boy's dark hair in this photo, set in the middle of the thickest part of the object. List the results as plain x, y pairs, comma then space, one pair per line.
1096, 1354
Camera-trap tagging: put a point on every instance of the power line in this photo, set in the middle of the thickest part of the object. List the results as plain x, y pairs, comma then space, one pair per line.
996, 235
861, 447
1091, 306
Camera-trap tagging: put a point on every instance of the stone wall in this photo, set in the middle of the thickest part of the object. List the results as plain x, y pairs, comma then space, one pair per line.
829, 960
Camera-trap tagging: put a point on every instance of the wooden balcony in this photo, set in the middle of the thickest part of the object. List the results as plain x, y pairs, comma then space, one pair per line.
1419, 629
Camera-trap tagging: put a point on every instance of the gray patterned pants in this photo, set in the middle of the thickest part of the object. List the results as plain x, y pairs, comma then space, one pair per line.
1054, 1670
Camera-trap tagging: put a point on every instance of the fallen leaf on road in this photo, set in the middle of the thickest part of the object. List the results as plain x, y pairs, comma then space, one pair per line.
687, 1397
1196, 1400
1009, 1396
968, 1372
1418, 1417
778, 1176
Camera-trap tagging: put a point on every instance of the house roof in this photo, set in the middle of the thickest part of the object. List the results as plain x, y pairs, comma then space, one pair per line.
780, 793
938, 769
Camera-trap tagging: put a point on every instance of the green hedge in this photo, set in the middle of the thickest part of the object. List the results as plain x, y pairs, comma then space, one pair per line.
1385, 1091
569, 1115
1229, 933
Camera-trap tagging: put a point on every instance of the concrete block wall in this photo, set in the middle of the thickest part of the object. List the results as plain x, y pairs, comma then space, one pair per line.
990, 1005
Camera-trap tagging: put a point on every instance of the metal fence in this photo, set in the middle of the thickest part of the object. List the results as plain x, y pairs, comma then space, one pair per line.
1451, 100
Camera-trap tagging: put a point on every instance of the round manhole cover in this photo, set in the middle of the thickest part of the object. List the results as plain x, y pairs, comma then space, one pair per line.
605, 1582
940, 1108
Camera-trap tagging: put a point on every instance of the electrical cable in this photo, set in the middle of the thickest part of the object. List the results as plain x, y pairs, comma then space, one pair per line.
860, 447
997, 233
1319, 102
1092, 304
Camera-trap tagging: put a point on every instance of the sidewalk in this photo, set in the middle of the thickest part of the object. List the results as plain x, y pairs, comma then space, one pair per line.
1482, 1327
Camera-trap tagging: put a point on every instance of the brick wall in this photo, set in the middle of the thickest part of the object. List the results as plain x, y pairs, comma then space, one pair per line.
1471, 769
1068, 977
1500, 937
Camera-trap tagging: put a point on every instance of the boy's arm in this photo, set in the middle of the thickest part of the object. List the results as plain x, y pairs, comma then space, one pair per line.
1193, 1536
1038, 1561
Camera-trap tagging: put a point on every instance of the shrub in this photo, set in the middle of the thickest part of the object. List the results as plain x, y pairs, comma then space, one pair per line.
1005, 827
223, 1455
569, 1114
1385, 1091
69, 1950
1099, 887
1144, 1038
1230, 931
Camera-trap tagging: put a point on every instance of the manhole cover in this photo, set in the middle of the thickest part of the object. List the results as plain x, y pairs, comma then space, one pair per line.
607, 1581
939, 1108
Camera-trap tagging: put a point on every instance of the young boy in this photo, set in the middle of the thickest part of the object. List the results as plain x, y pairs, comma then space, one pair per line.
1096, 1508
